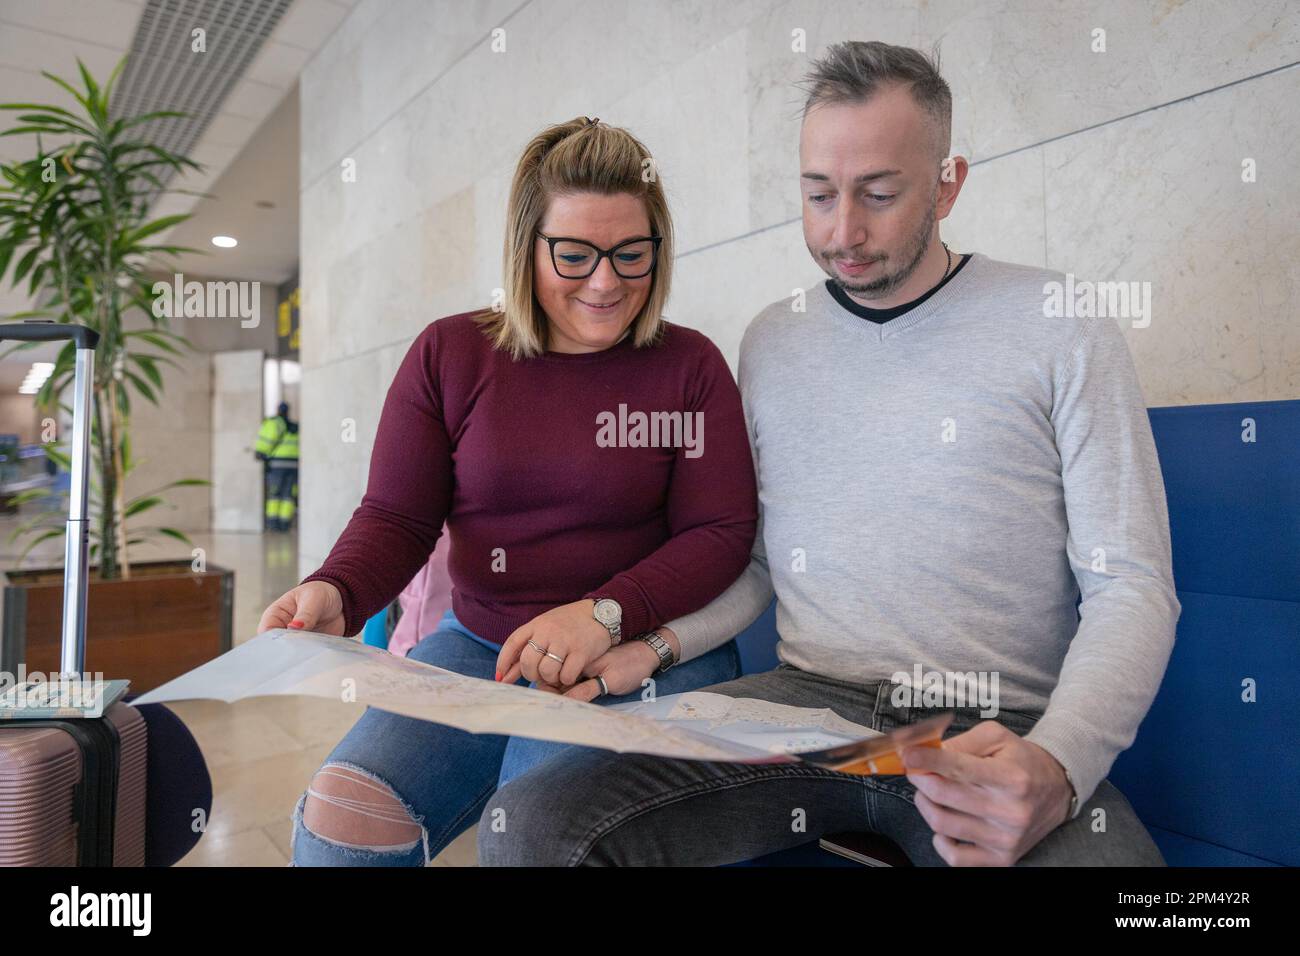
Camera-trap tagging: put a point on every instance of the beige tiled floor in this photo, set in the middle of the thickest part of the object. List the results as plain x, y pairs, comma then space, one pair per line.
261, 753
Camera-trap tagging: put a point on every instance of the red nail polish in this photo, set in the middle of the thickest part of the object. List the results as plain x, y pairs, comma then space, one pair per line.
296, 623
498, 677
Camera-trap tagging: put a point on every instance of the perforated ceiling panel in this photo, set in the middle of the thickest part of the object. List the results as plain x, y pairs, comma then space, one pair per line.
165, 72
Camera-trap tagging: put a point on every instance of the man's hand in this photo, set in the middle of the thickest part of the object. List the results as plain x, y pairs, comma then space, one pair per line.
988, 794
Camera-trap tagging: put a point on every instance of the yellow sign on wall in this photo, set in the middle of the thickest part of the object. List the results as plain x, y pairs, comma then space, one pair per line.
287, 327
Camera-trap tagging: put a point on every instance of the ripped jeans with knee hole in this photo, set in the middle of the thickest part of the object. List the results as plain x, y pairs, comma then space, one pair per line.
440, 777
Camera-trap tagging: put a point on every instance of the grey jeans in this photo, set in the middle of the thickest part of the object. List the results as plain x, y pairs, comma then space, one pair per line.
598, 808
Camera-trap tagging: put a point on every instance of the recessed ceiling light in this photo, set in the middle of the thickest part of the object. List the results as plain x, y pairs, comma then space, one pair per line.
36, 377
225, 242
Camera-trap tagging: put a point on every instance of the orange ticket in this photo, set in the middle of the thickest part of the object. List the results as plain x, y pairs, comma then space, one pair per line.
880, 755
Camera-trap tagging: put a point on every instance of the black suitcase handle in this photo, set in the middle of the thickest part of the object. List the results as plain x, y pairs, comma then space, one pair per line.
47, 330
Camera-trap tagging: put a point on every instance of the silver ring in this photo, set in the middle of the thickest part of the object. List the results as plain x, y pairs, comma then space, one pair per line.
542, 650
604, 688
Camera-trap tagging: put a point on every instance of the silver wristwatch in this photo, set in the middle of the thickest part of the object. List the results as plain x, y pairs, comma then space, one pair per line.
660, 647
609, 614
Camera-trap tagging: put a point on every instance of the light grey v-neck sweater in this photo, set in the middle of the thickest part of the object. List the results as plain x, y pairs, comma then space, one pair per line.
938, 491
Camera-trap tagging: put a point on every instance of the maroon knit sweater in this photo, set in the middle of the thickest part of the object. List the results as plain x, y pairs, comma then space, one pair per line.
539, 511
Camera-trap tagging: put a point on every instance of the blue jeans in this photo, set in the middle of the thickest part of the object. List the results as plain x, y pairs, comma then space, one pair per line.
442, 776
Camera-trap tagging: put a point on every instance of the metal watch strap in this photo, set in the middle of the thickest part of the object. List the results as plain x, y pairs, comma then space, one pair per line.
1074, 794
615, 628
660, 647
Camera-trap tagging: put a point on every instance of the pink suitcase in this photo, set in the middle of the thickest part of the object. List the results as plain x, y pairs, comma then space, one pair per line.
72, 790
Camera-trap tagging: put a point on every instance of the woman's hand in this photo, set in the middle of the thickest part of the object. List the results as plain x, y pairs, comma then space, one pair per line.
568, 631
624, 668
314, 606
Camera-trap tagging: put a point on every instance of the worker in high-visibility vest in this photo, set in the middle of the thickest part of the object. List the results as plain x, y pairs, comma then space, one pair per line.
277, 446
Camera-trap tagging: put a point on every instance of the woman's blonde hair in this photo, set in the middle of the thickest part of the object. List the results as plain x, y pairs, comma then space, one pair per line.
582, 155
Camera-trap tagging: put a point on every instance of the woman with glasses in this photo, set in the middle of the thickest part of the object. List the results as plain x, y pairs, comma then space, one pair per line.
561, 436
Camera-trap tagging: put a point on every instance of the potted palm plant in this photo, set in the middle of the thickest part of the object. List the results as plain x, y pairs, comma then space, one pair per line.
74, 225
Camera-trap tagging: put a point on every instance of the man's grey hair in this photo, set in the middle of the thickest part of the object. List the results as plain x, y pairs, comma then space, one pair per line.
855, 70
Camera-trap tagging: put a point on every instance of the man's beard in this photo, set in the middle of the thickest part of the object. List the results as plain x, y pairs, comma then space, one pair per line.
886, 284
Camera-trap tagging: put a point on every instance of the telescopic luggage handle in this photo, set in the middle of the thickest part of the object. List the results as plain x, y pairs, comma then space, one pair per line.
76, 572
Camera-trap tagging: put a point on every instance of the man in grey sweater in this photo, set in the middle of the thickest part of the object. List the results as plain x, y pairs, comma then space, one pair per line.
944, 471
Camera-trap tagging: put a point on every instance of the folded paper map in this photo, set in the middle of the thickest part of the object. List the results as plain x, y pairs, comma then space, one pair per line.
693, 726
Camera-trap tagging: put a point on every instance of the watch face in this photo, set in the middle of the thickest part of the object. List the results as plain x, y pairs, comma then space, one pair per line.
607, 611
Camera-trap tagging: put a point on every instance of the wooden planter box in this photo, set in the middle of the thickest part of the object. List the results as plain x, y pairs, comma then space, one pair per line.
163, 621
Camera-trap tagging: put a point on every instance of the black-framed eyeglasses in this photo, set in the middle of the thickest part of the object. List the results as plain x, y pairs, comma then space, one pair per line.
577, 258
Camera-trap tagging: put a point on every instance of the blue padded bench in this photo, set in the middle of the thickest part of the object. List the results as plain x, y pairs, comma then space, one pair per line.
1215, 780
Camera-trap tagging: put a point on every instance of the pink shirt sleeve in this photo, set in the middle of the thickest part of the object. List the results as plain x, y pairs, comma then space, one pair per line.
424, 601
